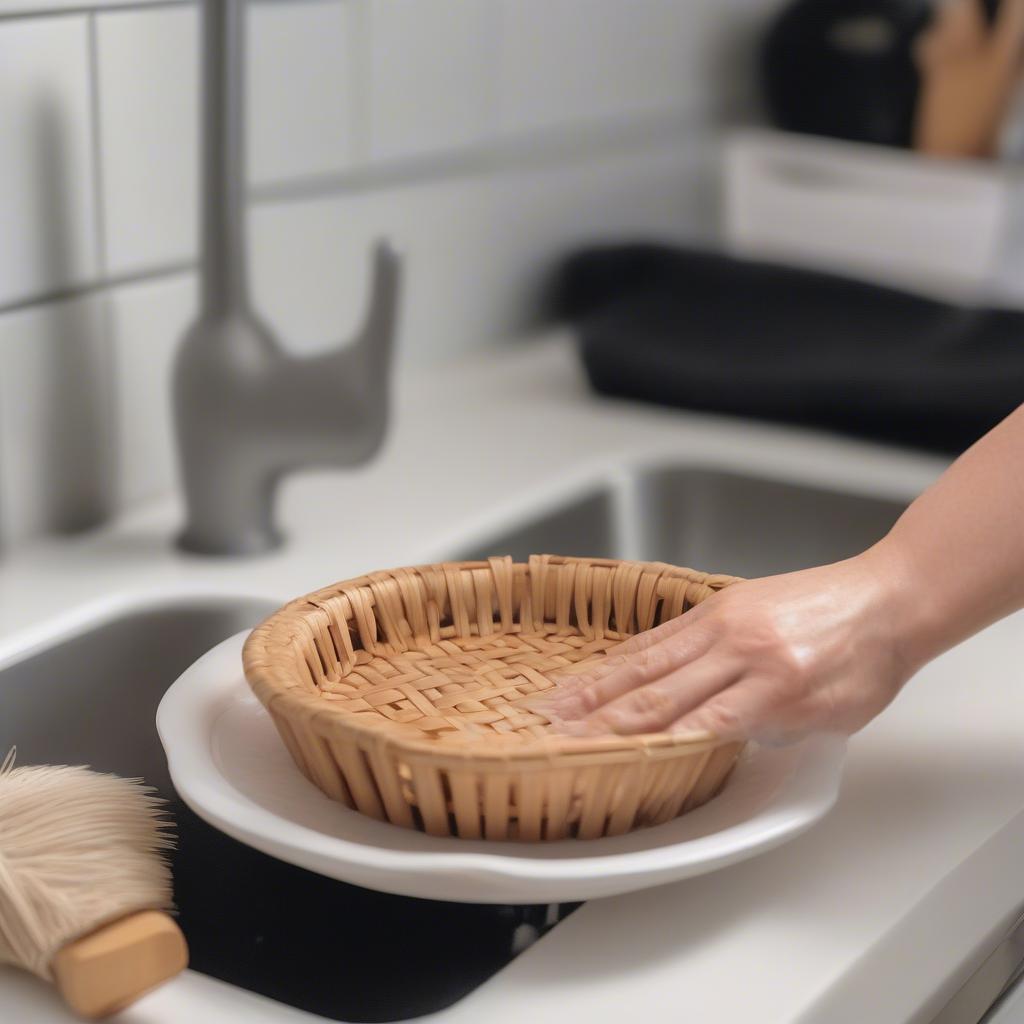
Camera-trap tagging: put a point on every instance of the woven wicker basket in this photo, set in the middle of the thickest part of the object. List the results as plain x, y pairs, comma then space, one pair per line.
400, 694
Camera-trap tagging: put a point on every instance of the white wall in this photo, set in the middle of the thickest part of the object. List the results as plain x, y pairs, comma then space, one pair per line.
485, 137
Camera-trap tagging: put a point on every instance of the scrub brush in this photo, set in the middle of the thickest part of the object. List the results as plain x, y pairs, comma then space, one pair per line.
84, 886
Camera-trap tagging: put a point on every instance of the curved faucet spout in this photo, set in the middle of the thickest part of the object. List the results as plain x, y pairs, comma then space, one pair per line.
373, 346
246, 412
332, 409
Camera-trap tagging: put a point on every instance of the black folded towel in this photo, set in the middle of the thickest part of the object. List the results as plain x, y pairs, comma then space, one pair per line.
712, 332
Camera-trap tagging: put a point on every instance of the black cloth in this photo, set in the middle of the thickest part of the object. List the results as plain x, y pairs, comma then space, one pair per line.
711, 332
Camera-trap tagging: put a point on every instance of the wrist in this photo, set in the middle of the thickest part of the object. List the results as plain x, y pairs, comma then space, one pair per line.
905, 603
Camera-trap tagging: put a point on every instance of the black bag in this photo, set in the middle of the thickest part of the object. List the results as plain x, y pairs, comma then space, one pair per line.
711, 332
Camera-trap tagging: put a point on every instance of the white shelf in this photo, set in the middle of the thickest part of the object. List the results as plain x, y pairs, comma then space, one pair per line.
935, 226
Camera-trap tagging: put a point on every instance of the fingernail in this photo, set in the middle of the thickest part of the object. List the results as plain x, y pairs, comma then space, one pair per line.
691, 735
577, 727
562, 694
565, 713
564, 719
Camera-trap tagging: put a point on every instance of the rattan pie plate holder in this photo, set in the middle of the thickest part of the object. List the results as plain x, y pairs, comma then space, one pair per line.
400, 694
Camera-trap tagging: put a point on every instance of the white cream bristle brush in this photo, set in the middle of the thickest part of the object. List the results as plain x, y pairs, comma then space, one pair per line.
84, 887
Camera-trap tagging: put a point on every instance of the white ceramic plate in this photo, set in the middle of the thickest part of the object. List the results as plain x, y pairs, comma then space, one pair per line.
232, 769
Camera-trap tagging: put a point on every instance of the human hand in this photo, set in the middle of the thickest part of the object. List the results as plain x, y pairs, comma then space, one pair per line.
969, 69
772, 659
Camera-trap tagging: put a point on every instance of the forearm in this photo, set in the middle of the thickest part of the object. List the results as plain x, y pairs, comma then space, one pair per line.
954, 562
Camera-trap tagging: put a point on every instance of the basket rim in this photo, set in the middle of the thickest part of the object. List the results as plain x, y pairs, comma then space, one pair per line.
277, 683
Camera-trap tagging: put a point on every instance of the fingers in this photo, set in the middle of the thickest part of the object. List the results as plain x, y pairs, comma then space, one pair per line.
657, 705
650, 637
1008, 34
965, 23
575, 678
958, 31
571, 678
749, 710
706, 697
622, 673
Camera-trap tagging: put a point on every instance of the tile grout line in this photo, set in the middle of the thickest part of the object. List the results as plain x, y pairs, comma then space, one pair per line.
109, 283
360, 83
85, 7
545, 148
472, 161
89, 9
96, 137
494, 98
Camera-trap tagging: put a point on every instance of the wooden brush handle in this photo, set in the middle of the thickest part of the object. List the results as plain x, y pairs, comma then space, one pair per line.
108, 969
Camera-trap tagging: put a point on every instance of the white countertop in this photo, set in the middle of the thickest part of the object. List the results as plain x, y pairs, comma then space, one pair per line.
877, 914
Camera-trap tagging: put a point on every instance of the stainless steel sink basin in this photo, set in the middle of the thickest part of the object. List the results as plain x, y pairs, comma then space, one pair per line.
91, 698
708, 519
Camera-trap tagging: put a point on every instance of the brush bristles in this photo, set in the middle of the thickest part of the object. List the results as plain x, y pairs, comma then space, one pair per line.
77, 849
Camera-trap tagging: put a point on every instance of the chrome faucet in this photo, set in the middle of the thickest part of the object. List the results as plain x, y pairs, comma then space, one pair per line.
246, 412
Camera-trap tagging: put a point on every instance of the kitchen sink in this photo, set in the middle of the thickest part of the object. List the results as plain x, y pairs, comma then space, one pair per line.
707, 519
326, 947
252, 921
91, 698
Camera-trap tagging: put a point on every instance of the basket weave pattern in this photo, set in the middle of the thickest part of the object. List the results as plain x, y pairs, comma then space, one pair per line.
401, 694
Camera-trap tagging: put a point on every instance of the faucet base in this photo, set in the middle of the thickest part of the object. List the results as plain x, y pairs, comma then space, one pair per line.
248, 543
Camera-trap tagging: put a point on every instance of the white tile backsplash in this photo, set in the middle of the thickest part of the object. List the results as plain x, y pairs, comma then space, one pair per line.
311, 264
18, 7
48, 227
148, 105
56, 423
301, 115
303, 88
476, 249
665, 193
431, 75
563, 62
146, 324
436, 123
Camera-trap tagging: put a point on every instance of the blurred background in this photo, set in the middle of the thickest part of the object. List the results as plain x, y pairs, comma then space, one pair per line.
492, 142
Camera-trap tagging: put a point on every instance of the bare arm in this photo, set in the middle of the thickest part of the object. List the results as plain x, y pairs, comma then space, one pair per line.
828, 648
960, 546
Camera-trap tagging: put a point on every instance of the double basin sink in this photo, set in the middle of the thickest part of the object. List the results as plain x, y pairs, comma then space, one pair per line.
269, 927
